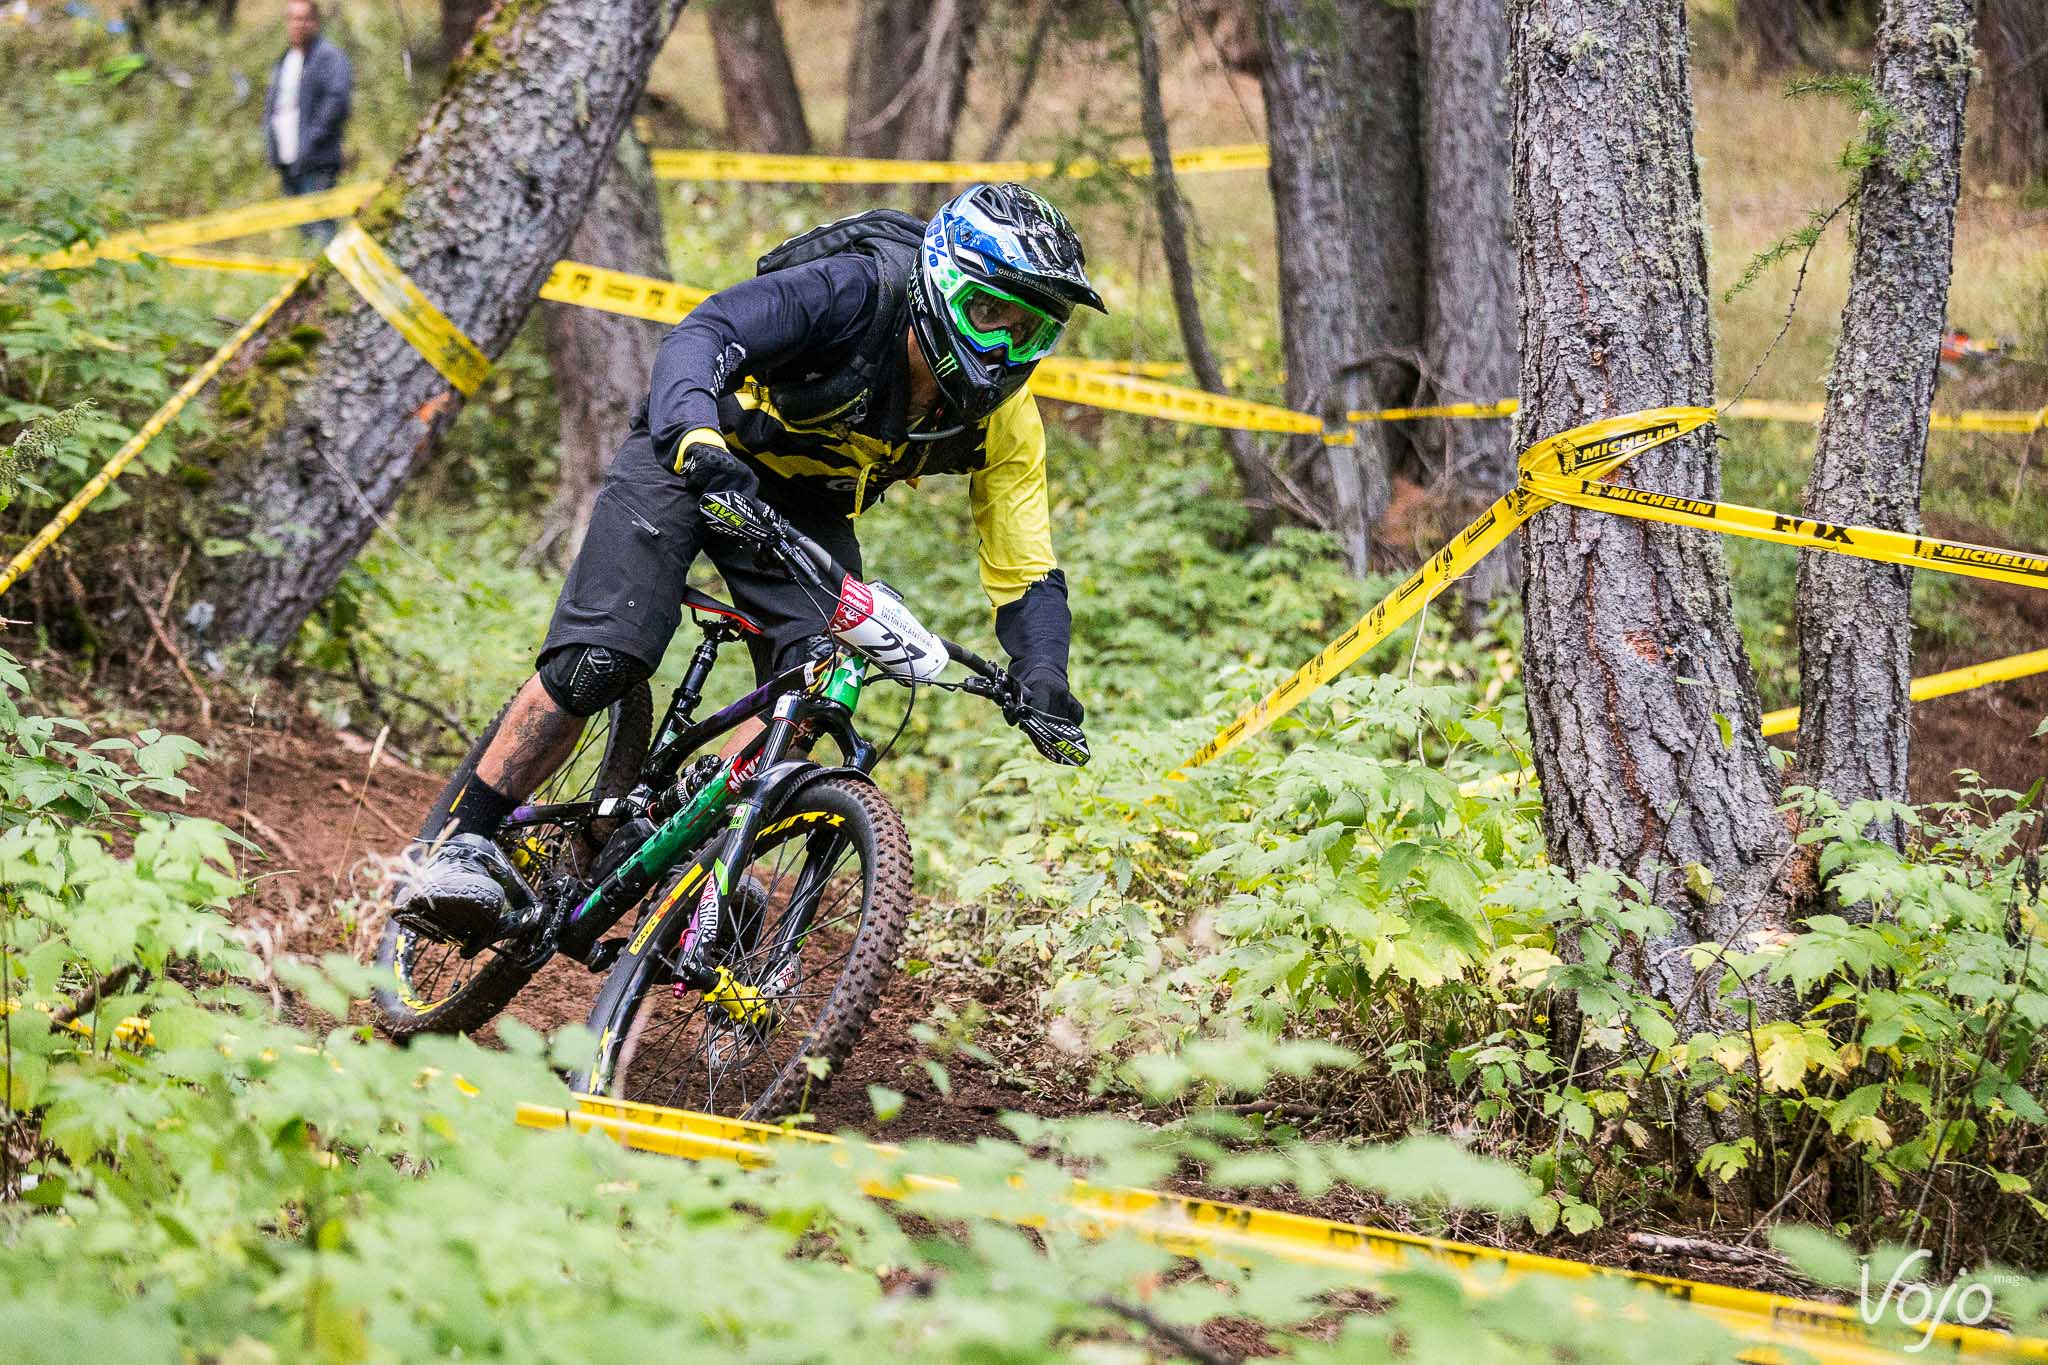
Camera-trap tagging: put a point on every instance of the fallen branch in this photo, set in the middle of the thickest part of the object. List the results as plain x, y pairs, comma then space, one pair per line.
1696, 1249
164, 607
1182, 1340
100, 990
341, 784
282, 845
163, 637
1285, 1109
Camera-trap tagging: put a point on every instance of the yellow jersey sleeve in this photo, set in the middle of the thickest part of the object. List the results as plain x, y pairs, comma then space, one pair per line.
1011, 509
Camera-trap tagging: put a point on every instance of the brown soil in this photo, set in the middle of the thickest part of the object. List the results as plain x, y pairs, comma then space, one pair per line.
322, 821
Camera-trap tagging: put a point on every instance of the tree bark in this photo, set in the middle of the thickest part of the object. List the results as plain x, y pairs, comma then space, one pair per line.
1254, 474
458, 22
907, 83
1470, 315
1343, 122
2013, 144
764, 110
602, 362
1776, 31
1631, 659
340, 408
1855, 632
1026, 84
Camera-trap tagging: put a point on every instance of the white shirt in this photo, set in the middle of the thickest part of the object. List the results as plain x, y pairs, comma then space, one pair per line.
284, 121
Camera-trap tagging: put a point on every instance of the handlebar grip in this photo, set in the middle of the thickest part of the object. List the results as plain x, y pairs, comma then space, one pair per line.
968, 659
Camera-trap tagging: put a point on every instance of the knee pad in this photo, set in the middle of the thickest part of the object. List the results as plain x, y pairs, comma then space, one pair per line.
584, 679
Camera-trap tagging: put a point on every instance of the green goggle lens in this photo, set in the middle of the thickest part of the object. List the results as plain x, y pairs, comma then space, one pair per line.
991, 319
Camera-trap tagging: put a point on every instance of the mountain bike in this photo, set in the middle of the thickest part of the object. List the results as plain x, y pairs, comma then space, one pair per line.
767, 891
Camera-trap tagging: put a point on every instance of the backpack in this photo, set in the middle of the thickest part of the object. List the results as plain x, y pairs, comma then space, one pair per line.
891, 238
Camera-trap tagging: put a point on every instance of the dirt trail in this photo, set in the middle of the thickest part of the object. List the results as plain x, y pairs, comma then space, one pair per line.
324, 820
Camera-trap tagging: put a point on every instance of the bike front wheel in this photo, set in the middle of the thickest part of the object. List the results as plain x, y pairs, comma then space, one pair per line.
818, 916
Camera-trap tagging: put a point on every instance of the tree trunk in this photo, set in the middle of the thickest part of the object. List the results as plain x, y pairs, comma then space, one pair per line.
2013, 144
1025, 86
601, 362
1776, 32
1855, 633
908, 78
1631, 659
1255, 476
1343, 114
764, 111
340, 407
1470, 313
458, 21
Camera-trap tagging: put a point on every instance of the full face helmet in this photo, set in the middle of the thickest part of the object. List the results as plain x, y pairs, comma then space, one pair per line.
998, 276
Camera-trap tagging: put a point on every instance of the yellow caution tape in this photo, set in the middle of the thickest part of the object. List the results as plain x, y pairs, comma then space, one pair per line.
773, 168
1862, 542
2006, 423
1148, 369
148, 432
386, 288
267, 216
1066, 381
1089, 382
1938, 685
1591, 450
661, 301
1773, 1328
614, 291
229, 261
1995, 421
1505, 407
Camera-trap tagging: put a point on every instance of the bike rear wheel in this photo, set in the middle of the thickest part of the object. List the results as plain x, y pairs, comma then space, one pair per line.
819, 928
430, 987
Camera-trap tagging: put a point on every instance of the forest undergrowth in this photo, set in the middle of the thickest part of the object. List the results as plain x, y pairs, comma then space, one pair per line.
1352, 920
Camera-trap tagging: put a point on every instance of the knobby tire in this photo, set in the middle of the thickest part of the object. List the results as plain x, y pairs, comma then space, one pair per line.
493, 978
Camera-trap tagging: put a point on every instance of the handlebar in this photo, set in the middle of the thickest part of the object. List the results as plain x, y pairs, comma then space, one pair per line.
751, 520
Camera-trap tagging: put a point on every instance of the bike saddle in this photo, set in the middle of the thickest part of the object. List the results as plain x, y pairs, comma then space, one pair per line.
705, 602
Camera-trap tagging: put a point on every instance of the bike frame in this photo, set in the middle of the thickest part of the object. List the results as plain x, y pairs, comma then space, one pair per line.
801, 703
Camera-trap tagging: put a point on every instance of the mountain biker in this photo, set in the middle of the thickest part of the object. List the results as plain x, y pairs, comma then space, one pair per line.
868, 352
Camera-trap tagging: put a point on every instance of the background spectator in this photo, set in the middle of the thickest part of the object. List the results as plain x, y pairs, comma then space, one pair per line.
306, 109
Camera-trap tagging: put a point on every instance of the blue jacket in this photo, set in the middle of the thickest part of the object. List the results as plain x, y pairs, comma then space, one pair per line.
323, 107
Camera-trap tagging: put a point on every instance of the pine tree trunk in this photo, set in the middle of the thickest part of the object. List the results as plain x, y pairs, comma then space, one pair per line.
1775, 31
601, 362
907, 83
1343, 122
2013, 144
764, 111
1254, 475
1470, 315
1631, 658
340, 407
458, 22
1855, 632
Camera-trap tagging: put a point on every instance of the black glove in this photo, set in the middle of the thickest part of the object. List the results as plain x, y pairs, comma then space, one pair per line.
1045, 689
708, 467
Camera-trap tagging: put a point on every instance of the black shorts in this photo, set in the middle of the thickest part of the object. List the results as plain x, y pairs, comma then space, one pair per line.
625, 590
